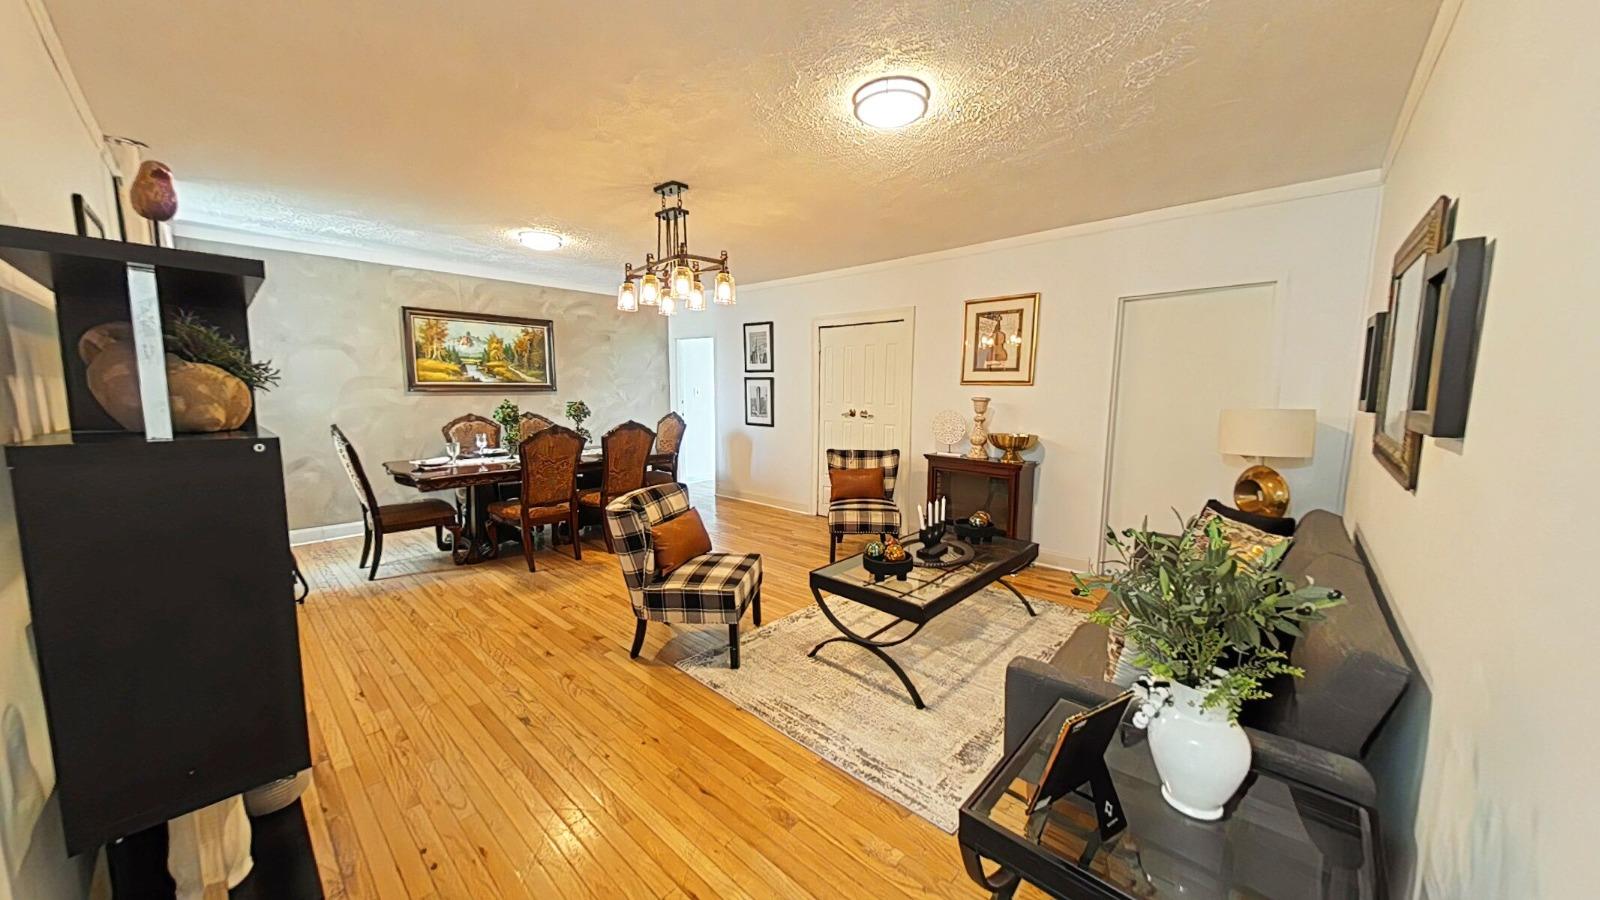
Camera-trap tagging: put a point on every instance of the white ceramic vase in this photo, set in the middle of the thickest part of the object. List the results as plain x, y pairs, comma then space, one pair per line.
1201, 756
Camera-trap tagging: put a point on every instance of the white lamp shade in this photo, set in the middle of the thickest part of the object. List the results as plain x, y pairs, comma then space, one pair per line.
1279, 433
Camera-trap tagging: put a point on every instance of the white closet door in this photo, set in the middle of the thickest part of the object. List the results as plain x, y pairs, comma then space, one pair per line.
1182, 359
864, 398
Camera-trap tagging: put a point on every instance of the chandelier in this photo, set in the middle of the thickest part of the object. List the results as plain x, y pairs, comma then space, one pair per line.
670, 277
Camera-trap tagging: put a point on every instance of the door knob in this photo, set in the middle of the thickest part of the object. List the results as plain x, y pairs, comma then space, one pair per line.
865, 414
850, 414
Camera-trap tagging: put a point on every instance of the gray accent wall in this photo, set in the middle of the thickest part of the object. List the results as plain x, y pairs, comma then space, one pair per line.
333, 327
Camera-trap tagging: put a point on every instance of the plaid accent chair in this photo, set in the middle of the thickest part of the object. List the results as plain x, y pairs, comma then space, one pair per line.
880, 517
712, 587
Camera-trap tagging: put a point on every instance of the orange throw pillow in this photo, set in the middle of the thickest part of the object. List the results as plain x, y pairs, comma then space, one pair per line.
678, 540
855, 484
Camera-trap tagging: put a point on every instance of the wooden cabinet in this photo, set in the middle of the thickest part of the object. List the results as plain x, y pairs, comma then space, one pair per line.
1004, 490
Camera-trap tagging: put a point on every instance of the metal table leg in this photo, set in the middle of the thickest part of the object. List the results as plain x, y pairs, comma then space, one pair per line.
876, 647
1012, 588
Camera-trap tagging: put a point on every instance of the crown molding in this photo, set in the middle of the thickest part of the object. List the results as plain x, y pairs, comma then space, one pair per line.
384, 255
1338, 184
69, 82
1432, 49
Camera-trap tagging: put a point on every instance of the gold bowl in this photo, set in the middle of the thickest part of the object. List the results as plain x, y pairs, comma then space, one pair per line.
1012, 444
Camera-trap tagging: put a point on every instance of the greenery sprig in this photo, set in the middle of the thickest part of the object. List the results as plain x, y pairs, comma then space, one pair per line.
1201, 618
191, 338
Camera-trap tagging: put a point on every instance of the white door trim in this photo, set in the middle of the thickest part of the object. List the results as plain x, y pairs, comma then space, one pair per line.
907, 314
1279, 296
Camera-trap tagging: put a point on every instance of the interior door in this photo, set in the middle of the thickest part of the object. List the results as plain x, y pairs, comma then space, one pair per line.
1182, 359
695, 398
864, 394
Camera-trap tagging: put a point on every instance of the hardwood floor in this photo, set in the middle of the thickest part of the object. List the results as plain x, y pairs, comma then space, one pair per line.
479, 731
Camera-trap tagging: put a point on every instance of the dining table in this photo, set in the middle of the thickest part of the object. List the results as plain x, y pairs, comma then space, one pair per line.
477, 475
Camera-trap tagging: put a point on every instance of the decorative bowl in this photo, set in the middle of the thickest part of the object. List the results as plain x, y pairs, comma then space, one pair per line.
1013, 444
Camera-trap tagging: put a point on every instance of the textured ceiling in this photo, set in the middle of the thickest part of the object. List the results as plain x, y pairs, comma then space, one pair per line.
441, 128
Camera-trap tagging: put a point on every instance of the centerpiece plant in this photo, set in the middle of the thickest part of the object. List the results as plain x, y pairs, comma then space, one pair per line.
577, 411
509, 417
1210, 631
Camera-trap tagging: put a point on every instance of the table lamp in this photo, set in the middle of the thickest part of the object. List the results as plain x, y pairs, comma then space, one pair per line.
1262, 433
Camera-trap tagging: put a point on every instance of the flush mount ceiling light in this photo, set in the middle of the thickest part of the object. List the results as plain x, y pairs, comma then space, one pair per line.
893, 102
670, 277
539, 239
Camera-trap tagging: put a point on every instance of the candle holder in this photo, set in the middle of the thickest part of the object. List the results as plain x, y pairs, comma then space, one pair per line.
932, 540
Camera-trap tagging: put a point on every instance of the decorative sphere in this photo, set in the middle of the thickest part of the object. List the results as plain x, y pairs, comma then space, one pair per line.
875, 550
894, 553
979, 519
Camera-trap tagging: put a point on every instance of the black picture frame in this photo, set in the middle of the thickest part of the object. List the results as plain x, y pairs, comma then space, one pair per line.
1368, 400
765, 351
410, 315
83, 216
749, 406
1454, 287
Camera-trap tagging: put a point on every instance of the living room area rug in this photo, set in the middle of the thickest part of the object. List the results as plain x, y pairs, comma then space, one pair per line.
846, 706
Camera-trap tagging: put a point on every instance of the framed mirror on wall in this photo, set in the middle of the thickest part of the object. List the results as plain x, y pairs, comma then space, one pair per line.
1395, 445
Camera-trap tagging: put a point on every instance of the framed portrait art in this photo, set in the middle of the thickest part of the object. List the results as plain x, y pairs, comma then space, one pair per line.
758, 347
758, 402
999, 340
460, 352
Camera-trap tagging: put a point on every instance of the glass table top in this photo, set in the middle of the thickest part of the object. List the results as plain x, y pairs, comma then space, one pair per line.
1278, 841
926, 584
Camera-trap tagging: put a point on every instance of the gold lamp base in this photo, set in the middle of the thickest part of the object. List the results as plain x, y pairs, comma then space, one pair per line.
1261, 490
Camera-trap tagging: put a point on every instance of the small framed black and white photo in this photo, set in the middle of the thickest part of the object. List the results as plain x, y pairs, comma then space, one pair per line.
758, 402
758, 347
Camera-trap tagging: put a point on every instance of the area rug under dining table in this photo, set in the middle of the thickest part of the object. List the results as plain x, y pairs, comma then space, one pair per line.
848, 708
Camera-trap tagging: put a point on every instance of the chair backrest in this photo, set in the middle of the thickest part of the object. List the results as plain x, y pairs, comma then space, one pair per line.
624, 450
629, 519
352, 468
887, 460
465, 429
669, 433
531, 424
550, 466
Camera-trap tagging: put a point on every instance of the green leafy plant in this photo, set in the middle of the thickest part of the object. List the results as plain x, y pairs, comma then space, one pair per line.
509, 416
1201, 618
577, 411
191, 338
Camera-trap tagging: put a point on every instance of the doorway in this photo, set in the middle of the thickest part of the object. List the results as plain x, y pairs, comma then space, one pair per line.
863, 391
1181, 359
694, 396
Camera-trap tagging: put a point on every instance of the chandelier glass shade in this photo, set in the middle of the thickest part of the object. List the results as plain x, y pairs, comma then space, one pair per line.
669, 278
628, 297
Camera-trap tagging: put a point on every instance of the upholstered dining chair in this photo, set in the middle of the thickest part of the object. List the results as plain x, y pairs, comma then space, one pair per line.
624, 450
530, 424
549, 490
863, 515
669, 439
709, 588
465, 430
378, 521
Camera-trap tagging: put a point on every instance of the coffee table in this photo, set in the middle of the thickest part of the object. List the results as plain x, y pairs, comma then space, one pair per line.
924, 594
1278, 839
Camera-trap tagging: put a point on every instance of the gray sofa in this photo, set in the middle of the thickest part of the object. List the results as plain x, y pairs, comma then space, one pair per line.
1315, 730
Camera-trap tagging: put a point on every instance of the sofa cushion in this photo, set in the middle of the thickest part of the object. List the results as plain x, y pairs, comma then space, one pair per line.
1246, 543
1320, 532
1283, 526
1355, 672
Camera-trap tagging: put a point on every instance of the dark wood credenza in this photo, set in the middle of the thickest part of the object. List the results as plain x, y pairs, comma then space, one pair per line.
1005, 490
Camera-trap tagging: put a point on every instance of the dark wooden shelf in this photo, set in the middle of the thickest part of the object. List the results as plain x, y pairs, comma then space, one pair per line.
1004, 490
44, 255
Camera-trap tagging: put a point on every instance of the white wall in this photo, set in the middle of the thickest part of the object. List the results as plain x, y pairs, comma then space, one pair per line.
1314, 240
1487, 564
51, 149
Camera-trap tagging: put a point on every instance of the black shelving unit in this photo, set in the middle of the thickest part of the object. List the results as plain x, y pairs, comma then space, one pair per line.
158, 571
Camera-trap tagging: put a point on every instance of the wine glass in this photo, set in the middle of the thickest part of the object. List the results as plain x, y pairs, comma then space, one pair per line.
452, 449
482, 441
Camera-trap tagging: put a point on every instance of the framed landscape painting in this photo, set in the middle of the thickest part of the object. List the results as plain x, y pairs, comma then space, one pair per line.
462, 352
999, 339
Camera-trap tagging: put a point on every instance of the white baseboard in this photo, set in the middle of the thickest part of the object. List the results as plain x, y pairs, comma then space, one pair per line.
319, 533
1051, 559
763, 500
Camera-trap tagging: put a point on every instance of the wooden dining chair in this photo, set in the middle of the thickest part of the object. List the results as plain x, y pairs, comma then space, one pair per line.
624, 451
669, 439
531, 424
464, 430
549, 494
378, 521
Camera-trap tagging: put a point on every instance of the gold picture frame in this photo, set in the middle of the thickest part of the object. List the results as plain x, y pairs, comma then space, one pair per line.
1000, 340
1397, 447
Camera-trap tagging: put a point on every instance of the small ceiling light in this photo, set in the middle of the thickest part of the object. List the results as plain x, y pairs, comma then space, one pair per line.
627, 297
724, 293
669, 305
649, 289
539, 239
682, 281
893, 102
697, 297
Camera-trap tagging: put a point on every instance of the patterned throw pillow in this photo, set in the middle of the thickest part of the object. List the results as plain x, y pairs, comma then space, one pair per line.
1246, 543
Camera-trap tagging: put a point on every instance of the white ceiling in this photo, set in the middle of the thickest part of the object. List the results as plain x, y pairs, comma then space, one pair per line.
440, 127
